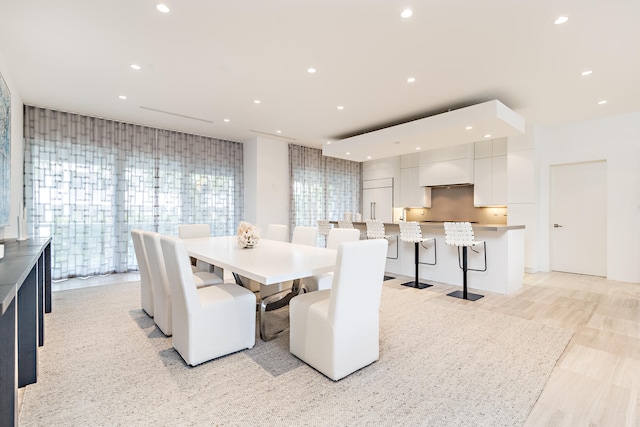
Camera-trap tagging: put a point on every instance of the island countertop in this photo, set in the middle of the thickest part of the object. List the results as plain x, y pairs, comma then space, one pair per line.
440, 225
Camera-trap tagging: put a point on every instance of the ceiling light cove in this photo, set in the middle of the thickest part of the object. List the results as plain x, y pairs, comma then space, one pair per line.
561, 20
406, 13
162, 8
492, 119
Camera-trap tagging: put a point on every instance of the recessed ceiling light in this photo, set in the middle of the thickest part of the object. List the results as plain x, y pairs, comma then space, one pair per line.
469, 127
227, 120
256, 101
368, 157
328, 142
348, 153
122, 97
311, 70
561, 20
604, 101
162, 8
406, 13
488, 135
586, 72
278, 131
411, 79
418, 148
135, 66
340, 107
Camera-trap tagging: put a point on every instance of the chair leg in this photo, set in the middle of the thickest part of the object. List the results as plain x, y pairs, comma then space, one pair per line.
464, 294
416, 283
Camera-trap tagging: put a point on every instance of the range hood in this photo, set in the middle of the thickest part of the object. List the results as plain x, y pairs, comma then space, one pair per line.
437, 131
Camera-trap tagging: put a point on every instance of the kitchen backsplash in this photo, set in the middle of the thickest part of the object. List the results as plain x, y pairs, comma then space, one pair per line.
456, 204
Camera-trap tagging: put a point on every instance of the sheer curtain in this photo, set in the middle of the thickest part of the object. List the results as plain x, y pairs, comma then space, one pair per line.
322, 187
90, 181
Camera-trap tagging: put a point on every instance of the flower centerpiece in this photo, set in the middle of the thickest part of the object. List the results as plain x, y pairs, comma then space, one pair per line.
248, 235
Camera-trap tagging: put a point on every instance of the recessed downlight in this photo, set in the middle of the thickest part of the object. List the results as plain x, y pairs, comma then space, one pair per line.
586, 72
418, 148
135, 67
468, 128
411, 79
368, 157
406, 13
340, 107
311, 70
348, 153
256, 101
488, 135
122, 97
604, 101
561, 20
162, 8
278, 131
328, 142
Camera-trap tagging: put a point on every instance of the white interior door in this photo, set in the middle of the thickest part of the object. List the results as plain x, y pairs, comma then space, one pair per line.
579, 218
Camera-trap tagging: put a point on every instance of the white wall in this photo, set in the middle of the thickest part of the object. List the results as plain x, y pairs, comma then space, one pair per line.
266, 182
616, 140
17, 154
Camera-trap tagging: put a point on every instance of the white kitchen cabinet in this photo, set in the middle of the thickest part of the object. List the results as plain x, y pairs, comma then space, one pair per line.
455, 166
490, 173
412, 195
377, 199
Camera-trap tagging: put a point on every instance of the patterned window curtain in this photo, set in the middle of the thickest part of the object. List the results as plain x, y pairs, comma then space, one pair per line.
322, 187
90, 181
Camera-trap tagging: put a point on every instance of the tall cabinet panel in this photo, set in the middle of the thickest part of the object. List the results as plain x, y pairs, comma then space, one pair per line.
377, 199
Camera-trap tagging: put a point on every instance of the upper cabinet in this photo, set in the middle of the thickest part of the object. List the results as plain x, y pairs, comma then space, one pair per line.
412, 195
447, 166
490, 173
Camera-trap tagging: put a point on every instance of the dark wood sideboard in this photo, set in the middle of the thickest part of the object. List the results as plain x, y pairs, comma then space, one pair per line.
25, 295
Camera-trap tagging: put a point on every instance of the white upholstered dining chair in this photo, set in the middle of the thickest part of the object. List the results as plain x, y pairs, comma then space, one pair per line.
336, 331
195, 231
336, 236
146, 291
277, 232
160, 283
208, 322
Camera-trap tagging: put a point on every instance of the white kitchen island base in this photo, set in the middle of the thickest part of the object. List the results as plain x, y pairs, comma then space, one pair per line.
505, 258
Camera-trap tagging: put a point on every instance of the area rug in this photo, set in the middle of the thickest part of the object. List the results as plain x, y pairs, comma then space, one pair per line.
441, 364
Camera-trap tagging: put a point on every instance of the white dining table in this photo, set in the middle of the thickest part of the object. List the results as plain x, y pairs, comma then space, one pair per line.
269, 262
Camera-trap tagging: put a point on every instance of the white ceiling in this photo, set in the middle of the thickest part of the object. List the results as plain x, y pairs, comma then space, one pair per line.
209, 60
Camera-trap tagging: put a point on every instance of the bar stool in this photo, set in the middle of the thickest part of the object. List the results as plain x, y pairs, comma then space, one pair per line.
324, 227
375, 230
344, 223
410, 232
460, 234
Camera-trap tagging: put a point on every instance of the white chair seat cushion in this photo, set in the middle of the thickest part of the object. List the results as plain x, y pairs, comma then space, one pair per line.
211, 334
202, 278
319, 282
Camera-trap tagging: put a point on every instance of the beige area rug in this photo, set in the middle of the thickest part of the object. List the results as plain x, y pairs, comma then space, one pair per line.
441, 364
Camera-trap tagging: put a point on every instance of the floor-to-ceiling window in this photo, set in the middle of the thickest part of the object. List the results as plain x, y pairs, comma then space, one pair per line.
322, 187
90, 181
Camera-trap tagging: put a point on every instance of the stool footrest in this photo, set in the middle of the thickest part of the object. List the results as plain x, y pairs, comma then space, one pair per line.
416, 285
470, 296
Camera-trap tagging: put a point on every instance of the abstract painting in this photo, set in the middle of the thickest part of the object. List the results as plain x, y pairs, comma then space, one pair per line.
5, 152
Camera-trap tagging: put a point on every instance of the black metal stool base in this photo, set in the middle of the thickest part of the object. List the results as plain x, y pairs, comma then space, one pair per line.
388, 278
470, 296
416, 285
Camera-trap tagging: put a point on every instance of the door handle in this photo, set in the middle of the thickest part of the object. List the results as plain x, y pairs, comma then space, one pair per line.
556, 226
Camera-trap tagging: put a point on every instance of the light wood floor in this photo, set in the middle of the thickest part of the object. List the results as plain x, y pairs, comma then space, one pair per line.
596, 381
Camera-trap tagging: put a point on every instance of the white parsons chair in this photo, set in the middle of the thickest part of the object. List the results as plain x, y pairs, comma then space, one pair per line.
160, 283
146, 291
336, 331
336, 236
208, 322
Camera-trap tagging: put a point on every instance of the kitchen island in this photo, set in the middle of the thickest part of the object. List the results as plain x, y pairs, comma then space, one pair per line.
505, 257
